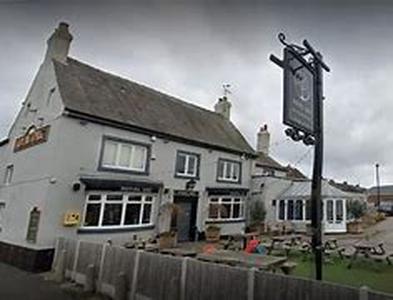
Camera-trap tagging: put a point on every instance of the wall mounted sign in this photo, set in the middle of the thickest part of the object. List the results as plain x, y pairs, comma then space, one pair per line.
34, 136
32, 229
298, 92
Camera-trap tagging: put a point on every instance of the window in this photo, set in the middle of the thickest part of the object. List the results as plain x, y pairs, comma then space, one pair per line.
299, 210
308, 209
329, 211
281, 210
187, 164
124, 156
228, 170
290, 209
293, 210
9, 172
226, 208
339, 211
118, 210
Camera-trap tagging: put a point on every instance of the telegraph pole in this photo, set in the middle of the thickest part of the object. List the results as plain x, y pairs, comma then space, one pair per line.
303, 113
378, 186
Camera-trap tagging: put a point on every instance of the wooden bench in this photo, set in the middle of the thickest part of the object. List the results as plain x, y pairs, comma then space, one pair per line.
288, 267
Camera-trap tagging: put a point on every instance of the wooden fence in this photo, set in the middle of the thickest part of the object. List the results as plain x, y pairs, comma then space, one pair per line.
137, 275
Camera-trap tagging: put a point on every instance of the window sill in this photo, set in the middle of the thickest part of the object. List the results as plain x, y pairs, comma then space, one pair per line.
223, 221
183, 176
221, 180
83, 230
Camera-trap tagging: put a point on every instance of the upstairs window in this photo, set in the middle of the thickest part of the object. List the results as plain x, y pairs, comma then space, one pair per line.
228, 170
126, 156
9, 172
187, 164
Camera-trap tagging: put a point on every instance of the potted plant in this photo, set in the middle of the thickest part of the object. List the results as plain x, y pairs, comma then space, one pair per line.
167, 239
212, 233
257, 217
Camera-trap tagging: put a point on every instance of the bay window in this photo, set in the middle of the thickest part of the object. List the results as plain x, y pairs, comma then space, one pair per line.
226, 208
114, 210
229, 171
124, 155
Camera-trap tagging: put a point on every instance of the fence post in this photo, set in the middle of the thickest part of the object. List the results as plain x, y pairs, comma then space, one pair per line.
101, 266
121, 286
183, 278
251, 283
135, 275
59, 268
363, 293
89, 279
76, 256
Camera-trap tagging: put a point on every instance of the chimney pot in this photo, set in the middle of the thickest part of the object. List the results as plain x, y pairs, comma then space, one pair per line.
59, 43
223, 107
263, 140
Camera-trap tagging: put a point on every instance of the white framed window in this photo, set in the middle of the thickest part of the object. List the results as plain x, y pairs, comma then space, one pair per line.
124, 155
9, 172
226, 208
228, 170
118, 210
187, 164
293, 210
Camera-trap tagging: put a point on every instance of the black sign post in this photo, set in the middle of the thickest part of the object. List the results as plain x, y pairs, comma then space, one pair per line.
303, 113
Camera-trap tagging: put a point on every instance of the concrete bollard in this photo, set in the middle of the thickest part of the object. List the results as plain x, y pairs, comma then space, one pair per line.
121, 286
59, 272
89, 281
363, 293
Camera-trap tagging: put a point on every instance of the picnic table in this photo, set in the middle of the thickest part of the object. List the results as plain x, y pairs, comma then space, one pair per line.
243, 259
285, 241
367, 249
179, 252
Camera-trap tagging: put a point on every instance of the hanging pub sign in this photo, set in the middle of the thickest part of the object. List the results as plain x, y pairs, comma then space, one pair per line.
34, 136
298, 92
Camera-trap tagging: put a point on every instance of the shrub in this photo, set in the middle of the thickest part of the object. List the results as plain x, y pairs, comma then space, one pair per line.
257, 212
356, 209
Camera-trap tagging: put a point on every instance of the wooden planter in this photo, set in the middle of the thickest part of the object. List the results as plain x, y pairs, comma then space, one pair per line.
167, 240
212, 233
355, 227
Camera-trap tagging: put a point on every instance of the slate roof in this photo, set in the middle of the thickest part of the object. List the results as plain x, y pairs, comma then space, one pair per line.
384, 190
346, 187
264, 160
91, 92
302, 189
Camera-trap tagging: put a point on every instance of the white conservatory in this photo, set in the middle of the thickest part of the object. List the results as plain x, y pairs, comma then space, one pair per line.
294, 206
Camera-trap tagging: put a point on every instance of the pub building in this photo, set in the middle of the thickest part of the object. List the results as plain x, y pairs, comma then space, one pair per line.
93, 156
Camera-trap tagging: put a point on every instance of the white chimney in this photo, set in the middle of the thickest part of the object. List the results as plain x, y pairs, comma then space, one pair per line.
223, 107
263, 140
59, 43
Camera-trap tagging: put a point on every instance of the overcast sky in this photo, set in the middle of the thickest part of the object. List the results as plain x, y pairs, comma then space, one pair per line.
190, 51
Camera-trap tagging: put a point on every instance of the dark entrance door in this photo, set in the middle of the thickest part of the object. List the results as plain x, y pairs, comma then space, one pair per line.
185, 221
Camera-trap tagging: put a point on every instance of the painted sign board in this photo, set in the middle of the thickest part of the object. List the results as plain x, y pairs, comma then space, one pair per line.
34, 136
298, 92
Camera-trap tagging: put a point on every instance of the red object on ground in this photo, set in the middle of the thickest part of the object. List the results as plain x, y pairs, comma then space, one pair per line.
251, 246
209, 249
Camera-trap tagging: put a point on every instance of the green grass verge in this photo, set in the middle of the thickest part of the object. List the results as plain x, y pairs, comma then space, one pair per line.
376, 275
